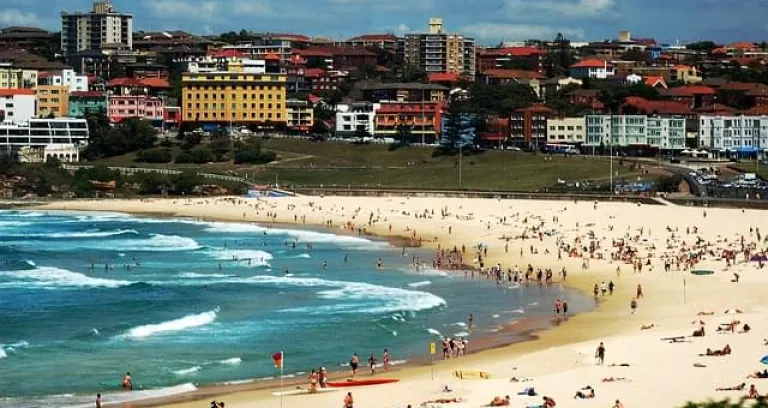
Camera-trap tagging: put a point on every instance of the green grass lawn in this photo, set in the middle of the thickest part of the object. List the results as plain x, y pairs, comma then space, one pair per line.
304, 163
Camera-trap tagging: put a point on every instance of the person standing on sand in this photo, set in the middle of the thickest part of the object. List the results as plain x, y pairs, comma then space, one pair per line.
313, 382
354, 362
386, 360
610, 288
372, 363
639, 294
348, 401
633, 305
98, 400
600, 354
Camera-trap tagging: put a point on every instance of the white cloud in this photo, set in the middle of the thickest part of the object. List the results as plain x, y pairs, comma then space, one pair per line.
164, 9
16, 17
388, 5
570, 8
497, 32
402, 28
252, 7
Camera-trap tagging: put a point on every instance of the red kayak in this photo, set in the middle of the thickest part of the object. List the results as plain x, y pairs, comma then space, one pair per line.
357, 383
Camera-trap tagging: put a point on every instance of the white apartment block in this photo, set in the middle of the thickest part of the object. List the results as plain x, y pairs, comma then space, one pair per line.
15, 78
40, 133
734, 133
635, 130
66, 77
17, 105
354, 117
566, 130
100, 27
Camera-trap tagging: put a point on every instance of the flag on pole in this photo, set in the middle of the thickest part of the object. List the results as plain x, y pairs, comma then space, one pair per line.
278, 358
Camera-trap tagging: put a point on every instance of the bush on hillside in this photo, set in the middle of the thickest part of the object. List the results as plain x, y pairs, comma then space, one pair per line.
159, 155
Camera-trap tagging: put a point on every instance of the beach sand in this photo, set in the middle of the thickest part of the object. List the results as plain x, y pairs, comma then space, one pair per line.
560, 361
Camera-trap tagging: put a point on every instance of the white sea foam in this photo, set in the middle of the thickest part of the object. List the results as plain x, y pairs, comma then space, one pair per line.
518, 311
195, 275
419, 284
160, 242
8, 224
233, 228
461, 334
496, 316
424, 272
3, 354
77, 234
184, 323
460, 324
187, 371
30, 262
533, 304
393, 299
50, 277
257, 258
232, 361
303, 256
434, 331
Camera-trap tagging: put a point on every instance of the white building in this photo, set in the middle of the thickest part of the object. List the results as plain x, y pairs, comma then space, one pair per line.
566, 130
592, 68
17, 105
67, 153
635, 130
741, 134
354, 117
63, 133
100, 27
15, 78
66, 77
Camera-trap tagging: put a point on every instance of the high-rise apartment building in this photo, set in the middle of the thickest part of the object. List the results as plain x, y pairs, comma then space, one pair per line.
437, 51
97, 29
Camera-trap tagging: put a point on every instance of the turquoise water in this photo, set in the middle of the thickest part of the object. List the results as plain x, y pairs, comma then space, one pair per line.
204, 302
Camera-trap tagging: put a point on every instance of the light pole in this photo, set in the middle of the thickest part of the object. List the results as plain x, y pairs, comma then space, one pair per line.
460, 146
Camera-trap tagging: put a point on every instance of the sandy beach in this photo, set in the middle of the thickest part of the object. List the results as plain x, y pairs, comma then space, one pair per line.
607, 238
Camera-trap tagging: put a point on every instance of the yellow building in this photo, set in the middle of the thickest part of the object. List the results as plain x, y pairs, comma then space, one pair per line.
15, 78
233, 97
52, 100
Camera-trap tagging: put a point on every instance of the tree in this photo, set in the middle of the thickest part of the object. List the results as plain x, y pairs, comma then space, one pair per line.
318, 127
559, 58
191, 139
413, 74
635, 54
154, 156
404, 134
250, 152
702, 46
185, 182
458, 132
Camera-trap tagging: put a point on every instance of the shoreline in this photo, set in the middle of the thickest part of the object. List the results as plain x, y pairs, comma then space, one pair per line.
607, 321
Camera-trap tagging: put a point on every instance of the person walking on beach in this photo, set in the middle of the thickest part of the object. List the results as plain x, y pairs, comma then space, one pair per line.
639, 294
98, 400
610, 288
372, 363
386, 360
127, 382
603, 288
470, 322
633, 305
354, 362
348, 401
313, 382
600, 354
323, 377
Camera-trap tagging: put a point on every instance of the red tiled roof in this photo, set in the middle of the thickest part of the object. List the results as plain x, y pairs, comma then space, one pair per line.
720, 50
314, 73
537, 108
745, 61
743, 45
289, 36
373, 38
659, 107
689, 90
124, 82
16, 91
87, 94
653, 80
227, 53
718, 108
757, 110
155, 83
682, 66
513, 74
739, 86
312, 52
314, 99
271, 56
512, 51
591, 63
443, 77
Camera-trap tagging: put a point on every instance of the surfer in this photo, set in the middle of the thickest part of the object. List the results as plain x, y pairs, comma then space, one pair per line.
379, 263
127, 382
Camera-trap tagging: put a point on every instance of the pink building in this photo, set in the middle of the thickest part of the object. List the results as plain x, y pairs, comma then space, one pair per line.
121, 107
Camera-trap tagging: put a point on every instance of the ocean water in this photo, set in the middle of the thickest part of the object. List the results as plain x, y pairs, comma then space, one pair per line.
85, 297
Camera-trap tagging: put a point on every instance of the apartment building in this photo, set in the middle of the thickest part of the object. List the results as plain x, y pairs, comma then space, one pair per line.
403, 92
15, 78
592, 68
528, 126
566, 130
356, 117
145, 107
53, 135
82, 104
299, 114
52, 101
625, 131
424, 120
740, 134
437, 51
96, 29
17, 105
66, 77
529, 58
225, 97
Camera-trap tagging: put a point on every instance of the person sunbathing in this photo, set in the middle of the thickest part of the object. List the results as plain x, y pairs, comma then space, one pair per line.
520, 379
585, 393
443, 401
647, 326
759, 374
752, 394
549, 403
739, 387
707, 313
699, 332
614, 379
500, 402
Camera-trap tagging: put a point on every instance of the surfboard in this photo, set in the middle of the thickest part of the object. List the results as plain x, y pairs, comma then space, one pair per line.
702, 272
764, 360
368, 381
467, 374
300, 391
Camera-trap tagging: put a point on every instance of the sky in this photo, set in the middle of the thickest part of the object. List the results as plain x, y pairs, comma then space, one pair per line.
489, 21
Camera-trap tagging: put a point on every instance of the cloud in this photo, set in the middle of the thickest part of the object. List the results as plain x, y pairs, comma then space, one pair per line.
495, 32
16, 17
203, 10
569, 8
387, 6
252, 7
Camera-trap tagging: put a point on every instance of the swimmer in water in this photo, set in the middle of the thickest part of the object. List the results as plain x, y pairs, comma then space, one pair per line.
127, 382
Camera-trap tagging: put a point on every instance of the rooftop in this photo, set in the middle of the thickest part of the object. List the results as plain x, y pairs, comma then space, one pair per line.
443, 77
592, 63
689, 90
413, 86
373, 38
513, 74
511, 51
657, 107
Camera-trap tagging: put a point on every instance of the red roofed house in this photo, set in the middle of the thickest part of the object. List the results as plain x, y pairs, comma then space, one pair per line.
320, 80
587, 97
17, 105
505, 76
425, 119
655, 82
530, 58
132, 98
528, 126
693, 96
592, 68
444, 78
743, 95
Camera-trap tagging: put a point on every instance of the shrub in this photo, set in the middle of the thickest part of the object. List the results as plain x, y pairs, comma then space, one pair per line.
154, 156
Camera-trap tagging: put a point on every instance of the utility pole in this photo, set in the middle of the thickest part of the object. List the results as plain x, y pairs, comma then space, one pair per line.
460, 146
